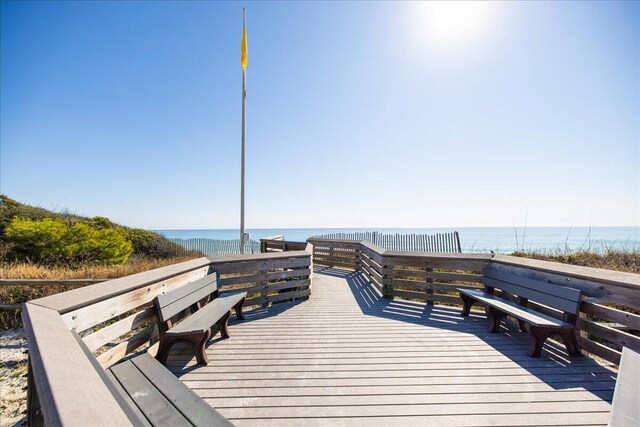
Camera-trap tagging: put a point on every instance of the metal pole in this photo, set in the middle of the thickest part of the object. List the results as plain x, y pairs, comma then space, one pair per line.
244, 97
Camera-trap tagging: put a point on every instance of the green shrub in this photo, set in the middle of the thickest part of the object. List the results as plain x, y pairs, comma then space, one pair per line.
146, 244
54, 241
152, 244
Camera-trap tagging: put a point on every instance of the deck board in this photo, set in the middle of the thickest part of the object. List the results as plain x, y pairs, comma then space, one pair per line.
349, 357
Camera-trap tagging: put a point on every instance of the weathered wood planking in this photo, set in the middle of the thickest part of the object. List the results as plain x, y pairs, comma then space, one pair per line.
48, 322
347, 356
70, 300
437, 276
115, 330
90, 315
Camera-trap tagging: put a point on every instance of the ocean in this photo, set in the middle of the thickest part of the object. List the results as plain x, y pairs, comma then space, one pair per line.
480, 239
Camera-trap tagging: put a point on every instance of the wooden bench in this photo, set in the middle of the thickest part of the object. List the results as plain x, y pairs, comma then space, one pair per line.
625, 410
539, 326
195, 329
150, 395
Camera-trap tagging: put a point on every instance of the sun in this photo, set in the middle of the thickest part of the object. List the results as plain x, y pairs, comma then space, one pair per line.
449, 24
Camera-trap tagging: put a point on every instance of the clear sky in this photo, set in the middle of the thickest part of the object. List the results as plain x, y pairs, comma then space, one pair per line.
359, 114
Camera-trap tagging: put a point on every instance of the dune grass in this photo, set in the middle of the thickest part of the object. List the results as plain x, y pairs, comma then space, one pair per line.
610, 259
16, 270
21, 294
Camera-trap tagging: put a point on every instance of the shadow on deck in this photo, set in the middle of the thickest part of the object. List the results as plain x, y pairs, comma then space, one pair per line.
348, 356
554, 357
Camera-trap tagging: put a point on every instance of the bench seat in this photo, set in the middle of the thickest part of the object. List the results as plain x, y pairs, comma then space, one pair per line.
540, 326
201, 320
204, 308
158, 398
515, 310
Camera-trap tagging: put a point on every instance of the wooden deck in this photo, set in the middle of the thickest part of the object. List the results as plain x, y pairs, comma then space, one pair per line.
349, 357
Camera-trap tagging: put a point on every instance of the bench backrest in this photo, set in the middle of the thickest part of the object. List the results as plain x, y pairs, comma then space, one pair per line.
556, 296
174, 302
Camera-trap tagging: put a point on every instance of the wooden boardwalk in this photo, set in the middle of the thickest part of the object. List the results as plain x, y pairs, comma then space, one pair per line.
349, 357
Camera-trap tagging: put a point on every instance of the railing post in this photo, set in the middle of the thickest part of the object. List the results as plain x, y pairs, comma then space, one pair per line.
387, 282
429, 281
34, 411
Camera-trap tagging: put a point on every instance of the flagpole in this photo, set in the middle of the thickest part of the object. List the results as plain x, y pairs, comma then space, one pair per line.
244, 97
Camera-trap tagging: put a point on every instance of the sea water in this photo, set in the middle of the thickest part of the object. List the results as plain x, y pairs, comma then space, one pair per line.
480, 239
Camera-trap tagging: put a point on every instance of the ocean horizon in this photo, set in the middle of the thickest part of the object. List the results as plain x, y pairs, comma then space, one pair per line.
472, 239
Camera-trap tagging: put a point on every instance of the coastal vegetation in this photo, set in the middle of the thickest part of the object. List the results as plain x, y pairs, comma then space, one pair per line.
34, 235
609, 258
37, 243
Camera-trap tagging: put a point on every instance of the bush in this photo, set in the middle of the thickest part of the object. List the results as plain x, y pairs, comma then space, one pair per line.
53, 241
152, 245
146, 244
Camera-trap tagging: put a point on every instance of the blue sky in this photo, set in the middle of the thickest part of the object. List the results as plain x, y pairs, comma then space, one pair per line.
358, 114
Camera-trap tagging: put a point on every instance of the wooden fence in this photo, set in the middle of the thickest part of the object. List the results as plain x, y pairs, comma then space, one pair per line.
214, 247
440, 242
115, 318
608, 318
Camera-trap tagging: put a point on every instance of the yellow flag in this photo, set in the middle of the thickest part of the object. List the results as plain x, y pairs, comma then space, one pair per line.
244, 54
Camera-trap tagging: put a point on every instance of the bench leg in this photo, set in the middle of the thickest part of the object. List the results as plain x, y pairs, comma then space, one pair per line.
238, 309
571, 342
537, 337
523, 327
468, 302
198, 344
495, 317
222, 325
163, 349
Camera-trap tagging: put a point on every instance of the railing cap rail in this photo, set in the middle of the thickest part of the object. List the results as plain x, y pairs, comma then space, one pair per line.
586, 273
458, 256
322, 239
81, 297
372, 246
230, 259
70, 390
43, 282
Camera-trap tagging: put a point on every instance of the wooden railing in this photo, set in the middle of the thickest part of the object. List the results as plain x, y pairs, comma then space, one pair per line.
336, 253
39, 283
609, 316
115, 318
268, 277
280, 245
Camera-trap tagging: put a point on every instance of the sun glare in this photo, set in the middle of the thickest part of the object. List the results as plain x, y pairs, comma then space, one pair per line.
448, 24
